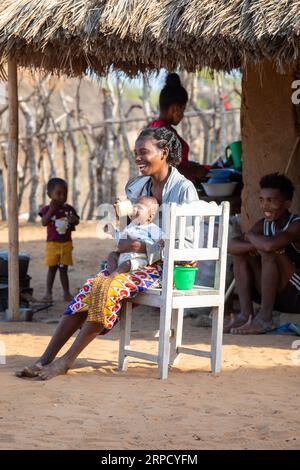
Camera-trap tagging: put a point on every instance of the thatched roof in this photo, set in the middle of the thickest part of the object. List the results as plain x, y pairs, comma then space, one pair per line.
137, 35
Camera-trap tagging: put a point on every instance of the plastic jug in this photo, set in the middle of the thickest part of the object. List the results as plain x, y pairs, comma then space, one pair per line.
233, 154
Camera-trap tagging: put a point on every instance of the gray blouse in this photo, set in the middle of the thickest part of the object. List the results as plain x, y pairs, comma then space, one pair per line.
177, 189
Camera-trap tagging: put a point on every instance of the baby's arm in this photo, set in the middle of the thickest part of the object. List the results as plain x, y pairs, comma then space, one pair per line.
112, 261
112, 264
124, 267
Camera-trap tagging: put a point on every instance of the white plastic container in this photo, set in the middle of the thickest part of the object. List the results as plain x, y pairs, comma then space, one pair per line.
219, 189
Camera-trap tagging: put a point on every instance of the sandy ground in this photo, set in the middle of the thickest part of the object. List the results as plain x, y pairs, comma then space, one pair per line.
252, 404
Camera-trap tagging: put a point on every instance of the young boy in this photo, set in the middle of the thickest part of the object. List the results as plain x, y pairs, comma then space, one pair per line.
60, 219
267, 260
141, 228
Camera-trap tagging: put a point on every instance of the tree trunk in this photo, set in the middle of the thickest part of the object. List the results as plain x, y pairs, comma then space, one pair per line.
145, 98
90, 167
74, 145
33, 207
133, 171
65, 156
220, 95
106, 176
2, 197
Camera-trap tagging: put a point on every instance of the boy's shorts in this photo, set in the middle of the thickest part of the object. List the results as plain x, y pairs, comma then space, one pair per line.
59, 253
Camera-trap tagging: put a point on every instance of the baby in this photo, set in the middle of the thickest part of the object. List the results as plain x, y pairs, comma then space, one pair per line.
141, 228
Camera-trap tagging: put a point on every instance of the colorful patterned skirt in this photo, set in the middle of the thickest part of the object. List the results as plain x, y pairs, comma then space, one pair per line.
102, 295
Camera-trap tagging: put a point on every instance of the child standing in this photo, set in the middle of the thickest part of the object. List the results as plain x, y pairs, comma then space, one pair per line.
60, 219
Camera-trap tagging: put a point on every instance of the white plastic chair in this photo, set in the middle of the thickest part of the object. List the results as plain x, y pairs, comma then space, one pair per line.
171, 301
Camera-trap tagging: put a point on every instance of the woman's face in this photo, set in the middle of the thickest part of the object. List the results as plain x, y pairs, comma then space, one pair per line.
148, 157
176, 113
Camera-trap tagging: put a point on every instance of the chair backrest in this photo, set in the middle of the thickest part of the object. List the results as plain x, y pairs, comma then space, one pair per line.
185, 239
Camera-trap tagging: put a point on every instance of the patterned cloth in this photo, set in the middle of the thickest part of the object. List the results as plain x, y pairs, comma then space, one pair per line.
112, 290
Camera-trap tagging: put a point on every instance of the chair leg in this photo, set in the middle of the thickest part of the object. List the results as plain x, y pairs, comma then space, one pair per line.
125, 330
164, 341
176, 337
216, 339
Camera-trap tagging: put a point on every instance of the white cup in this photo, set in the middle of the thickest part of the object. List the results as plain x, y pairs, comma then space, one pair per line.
61, 225
124, 208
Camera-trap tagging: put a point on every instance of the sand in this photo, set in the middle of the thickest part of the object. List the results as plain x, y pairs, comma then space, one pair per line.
252, 404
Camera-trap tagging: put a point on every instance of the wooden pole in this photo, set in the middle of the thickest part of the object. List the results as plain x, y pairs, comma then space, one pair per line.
13, 245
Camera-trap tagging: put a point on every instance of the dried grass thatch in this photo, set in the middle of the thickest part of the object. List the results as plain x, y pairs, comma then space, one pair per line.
69, 36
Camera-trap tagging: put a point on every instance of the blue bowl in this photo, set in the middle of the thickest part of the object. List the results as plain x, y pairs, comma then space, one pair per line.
220, 173
218, 180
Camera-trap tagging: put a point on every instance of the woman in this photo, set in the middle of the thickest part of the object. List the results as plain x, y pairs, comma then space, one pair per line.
95, 309
172, 102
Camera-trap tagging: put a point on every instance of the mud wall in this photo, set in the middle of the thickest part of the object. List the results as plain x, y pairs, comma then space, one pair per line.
269, 132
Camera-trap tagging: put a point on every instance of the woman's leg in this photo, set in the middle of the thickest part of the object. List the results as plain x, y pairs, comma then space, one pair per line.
121, 287
88, 332
65, 329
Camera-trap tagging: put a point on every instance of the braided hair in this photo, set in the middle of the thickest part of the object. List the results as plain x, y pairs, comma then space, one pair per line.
165, 138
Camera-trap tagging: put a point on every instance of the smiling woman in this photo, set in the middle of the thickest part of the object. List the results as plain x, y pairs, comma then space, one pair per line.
96, 307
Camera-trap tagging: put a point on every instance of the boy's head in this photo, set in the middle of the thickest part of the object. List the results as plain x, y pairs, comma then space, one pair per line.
144, 211
276, 194
57, 189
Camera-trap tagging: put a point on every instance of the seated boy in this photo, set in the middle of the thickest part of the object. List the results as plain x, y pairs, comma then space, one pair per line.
267, 260
141, 228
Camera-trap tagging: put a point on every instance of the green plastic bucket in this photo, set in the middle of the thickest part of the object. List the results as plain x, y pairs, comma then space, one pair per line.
184, 277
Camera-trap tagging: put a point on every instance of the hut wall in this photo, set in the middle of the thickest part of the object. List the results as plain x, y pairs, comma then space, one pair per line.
269, 132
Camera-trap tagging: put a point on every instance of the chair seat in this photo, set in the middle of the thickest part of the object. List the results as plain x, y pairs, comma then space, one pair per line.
199, 296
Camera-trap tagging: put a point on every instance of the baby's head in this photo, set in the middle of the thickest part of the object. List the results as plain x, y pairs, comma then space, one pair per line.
144, 210
57, 189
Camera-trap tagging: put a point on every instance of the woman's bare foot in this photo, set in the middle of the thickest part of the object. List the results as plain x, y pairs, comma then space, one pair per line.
255, 327
58, 367
30, 371
235, 322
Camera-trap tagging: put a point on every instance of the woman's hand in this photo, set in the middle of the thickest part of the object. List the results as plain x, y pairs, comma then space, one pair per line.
128, 244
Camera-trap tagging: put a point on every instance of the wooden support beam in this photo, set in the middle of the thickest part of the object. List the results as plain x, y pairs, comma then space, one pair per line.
12, 185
